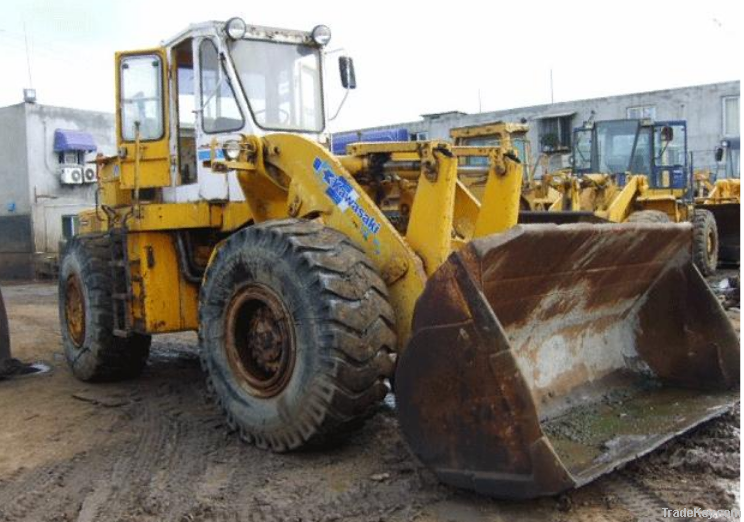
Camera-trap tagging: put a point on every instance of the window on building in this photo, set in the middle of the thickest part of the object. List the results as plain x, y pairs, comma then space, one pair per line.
71, 157
730, 116
641, 112
419, 136
555, 133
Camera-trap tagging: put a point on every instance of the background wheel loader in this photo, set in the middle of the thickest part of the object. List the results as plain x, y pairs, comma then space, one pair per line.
312, 279
537, 195
719, 192
638, 171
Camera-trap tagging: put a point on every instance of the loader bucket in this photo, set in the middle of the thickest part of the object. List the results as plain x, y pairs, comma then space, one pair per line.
549, 355
727, 223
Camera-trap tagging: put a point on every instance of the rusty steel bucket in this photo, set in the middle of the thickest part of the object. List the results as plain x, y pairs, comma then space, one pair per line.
546, 356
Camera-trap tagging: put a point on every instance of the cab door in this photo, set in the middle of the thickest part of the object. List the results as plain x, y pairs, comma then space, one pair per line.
219, 117
670, 157
142, 118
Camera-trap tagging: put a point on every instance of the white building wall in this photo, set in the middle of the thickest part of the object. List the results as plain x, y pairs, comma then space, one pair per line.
700, 105
50, 199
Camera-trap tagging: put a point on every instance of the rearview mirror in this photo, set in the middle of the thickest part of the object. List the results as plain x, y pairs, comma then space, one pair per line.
719, 154
667, 134
348, 76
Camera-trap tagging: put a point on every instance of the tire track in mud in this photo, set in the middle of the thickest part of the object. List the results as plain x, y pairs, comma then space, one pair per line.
26, 489
638, 499
131, 470
172, 492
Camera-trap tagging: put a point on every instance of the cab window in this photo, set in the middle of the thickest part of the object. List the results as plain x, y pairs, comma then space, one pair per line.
220, 111
141, 97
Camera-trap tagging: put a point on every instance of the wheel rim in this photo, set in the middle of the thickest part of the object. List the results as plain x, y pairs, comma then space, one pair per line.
260, 344
75, 310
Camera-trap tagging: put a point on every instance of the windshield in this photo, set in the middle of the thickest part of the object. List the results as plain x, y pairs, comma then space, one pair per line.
480, 141
614, 145
670, 152
583, 150
282, 84
494, 140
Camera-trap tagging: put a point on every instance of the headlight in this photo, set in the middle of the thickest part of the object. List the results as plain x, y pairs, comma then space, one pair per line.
321, 35
231, 149
235, 28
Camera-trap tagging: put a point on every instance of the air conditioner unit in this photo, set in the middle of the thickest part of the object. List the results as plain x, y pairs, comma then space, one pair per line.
71, 175
89, 174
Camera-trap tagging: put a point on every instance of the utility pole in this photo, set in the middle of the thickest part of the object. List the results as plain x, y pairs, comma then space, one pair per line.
551, 85
28, 57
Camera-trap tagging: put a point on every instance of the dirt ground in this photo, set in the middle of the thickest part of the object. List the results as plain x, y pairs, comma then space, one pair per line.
154, 449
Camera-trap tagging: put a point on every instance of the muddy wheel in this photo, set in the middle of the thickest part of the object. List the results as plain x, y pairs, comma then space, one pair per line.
86, 316
705, 242
648, 216
296, 333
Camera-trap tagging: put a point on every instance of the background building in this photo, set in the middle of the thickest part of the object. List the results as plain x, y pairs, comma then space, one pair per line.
711, 112
43, 179
45, 150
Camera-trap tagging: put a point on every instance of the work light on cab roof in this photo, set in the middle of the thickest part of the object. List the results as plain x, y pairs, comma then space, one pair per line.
321, 35
235, 28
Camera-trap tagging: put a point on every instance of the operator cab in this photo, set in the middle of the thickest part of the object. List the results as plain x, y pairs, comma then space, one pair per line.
210, 84
657, 150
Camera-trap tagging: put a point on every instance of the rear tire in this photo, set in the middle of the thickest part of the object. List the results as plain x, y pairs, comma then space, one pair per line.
296, 333
648, 216
705, 242
86, 316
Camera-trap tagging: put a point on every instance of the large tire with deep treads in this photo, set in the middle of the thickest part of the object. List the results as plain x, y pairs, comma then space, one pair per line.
296, 333
92, 350
705, 242
648, 216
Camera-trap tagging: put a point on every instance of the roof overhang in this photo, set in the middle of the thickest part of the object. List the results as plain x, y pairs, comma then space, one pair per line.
73, 140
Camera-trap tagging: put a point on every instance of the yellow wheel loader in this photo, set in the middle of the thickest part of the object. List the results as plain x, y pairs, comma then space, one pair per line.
635, 171
537, 195
526, 359
721, 196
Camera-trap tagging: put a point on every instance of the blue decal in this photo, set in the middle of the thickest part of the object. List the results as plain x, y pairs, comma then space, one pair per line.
345, 197
203, 154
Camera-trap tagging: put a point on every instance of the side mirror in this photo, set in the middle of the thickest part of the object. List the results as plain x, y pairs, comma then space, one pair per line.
346, 67
667, 134
719, 154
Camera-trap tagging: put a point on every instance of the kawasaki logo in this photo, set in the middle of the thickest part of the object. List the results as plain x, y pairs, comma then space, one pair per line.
343, 194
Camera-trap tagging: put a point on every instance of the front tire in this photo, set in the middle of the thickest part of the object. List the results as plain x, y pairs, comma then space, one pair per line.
648, 216
296, 333
86, 316
705, 242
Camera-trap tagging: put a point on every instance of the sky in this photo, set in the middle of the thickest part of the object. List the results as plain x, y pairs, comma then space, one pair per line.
412, 57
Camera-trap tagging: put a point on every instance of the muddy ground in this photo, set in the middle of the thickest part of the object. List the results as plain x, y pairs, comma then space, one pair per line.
154, 450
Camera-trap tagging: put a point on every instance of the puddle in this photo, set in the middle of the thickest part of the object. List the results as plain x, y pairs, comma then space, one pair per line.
15, 369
